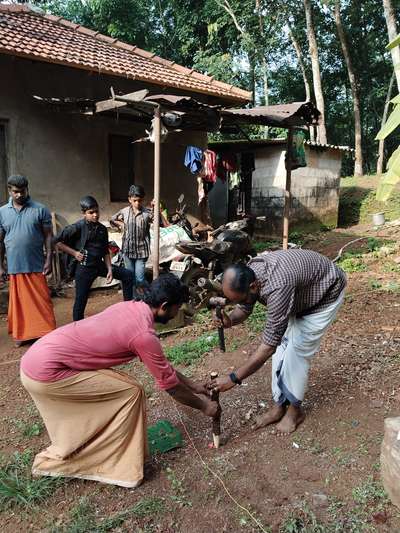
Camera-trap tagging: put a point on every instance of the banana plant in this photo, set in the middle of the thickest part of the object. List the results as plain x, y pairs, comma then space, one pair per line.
392, 175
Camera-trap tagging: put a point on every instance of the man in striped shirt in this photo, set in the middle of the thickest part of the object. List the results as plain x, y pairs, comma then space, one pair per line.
135, 221
303, 292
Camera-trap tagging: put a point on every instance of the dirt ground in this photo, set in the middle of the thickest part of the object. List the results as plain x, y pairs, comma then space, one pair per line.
322, 478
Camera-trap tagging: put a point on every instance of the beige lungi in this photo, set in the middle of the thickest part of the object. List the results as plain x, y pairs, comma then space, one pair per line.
96, 422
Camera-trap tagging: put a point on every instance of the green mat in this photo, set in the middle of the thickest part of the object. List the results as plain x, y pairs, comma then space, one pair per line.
163, 436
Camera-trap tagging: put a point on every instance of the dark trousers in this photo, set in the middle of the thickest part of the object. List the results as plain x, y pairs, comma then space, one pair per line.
85, 276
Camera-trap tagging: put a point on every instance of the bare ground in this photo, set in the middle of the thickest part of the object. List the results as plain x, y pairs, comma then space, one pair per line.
325, 475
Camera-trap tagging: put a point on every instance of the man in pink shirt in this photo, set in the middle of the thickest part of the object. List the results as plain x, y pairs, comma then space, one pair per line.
95, 416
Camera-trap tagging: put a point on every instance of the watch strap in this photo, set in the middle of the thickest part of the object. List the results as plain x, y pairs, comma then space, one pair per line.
235, 379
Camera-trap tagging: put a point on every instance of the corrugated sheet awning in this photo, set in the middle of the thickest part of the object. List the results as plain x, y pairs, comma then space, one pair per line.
283, 115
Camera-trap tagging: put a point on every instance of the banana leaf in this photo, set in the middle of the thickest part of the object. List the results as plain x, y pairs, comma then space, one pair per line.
391, 124
391, 178
394, 43
396, 99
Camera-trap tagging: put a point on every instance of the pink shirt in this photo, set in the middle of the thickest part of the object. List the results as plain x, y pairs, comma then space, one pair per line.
113, 337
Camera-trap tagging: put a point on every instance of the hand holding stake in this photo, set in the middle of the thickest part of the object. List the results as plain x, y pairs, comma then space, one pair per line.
216, 423
221, 333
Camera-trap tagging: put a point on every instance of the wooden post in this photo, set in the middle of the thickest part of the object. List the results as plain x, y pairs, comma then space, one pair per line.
288, 196
157, 163
216, 423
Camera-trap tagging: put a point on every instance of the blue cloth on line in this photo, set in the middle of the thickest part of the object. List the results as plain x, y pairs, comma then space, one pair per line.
193, 159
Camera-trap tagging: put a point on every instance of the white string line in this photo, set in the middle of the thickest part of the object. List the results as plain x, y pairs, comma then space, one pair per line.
217, 476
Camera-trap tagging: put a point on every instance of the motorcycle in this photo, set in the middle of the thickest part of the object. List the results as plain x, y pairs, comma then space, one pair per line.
207, 260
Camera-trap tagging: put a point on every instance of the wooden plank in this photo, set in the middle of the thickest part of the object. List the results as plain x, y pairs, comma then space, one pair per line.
108, 105
136, 96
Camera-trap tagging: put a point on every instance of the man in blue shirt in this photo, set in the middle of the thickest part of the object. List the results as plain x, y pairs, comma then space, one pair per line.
25, 228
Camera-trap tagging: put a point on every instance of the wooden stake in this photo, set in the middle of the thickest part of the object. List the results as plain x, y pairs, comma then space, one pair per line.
288, 196
216, 424
156, 220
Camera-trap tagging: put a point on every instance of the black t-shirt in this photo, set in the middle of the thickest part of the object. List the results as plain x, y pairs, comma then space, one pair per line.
95, 244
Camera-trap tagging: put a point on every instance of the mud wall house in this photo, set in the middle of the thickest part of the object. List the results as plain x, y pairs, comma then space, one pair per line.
315, 188
67, 154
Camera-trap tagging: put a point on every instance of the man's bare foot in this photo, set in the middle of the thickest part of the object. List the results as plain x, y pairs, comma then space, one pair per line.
293, 418
270, 417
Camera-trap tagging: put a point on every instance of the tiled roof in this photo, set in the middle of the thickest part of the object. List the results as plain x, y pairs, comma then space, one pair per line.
30, 33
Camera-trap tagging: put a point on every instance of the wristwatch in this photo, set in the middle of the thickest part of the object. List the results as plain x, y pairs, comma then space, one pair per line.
235, 379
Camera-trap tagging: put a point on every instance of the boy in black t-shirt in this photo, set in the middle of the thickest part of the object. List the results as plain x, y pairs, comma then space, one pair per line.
86, 241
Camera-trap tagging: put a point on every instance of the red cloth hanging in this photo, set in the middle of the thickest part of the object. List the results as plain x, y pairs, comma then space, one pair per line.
210, 166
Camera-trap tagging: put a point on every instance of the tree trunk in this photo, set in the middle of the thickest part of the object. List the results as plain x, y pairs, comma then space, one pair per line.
264, 66
302, 66
381, 151
317, 83
358, 163
392, 33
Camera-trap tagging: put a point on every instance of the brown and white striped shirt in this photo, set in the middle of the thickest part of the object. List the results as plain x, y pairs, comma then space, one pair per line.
136, 237
293, 283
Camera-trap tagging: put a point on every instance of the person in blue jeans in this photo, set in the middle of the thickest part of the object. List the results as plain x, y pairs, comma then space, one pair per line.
134, 220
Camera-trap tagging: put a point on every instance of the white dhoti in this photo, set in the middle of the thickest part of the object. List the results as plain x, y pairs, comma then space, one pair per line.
291, 360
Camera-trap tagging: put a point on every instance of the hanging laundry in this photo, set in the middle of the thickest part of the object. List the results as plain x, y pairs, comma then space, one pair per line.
210, 166
194, 159
200, 189
227, 163
298, 152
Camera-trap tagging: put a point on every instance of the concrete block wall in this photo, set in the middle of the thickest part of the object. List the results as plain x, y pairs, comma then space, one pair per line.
315, 188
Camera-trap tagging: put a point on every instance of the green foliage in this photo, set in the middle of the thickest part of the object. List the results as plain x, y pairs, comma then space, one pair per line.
262, 246
256, 320
392, 176
352, 262
28, 428
84, 518
296, 238
18, 488
370, 492
188, 352
179, 492
358, 202
202, 34
374, 284
302, 520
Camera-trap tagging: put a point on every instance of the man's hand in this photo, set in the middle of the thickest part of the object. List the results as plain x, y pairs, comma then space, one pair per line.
224, 322
221, 384
200, 388
47, 267
109, 276
79, 256
211, 408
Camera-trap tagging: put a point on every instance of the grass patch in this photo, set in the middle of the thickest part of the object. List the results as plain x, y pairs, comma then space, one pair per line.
302, 520
256, 320
18, 488
358, 202
203, 316
370, 492
28, 428
179, 496
352, 262
84, 519
263, 246
188, 352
